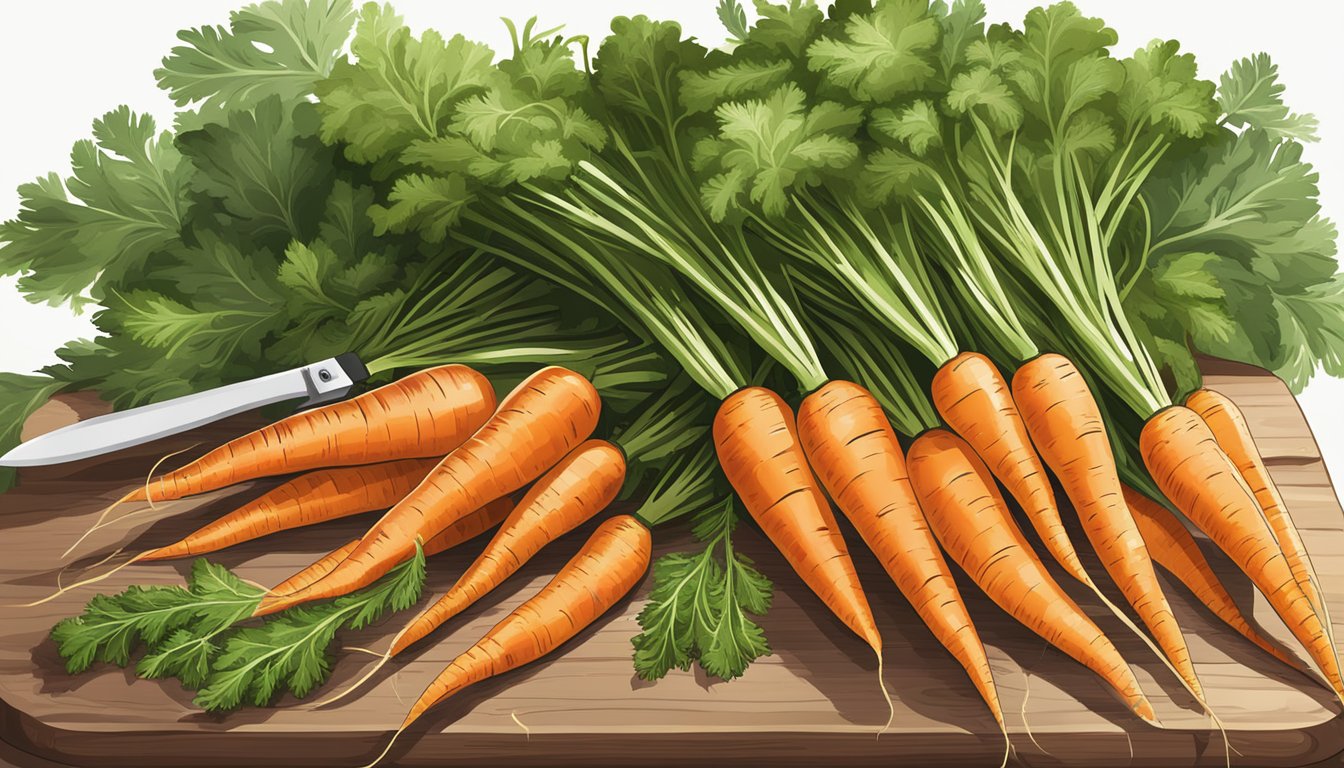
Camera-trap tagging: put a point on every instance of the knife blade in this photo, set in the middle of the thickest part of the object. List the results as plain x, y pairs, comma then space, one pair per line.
319, 382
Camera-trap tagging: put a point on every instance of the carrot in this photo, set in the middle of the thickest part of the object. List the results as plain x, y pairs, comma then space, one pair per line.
1066, 425
428, 413
973, 398
1228, 426
316, 497
757, 444
968, 515
855, 454
548, 414
1173, 548
1183, 457
604, 570
585, 482
469, 527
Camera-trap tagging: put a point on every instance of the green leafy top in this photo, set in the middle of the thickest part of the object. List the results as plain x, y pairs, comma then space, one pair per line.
127, 197
457, 121
700, 605
278, 48
192, 633
1245, 211
882, 53
1251, 96
400, 88
112, 626
770, 148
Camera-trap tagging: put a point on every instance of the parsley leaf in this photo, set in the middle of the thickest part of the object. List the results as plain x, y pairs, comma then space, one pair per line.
1251, 96
289, 653
126, 199
699, 606
264, 166
769, 147
190, 633
276, 48
882, 53
1161, 88
400, 89
112, 626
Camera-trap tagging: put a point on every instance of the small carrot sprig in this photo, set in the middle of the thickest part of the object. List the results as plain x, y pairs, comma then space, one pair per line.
701, 606
177, 624
189, 633
289, 652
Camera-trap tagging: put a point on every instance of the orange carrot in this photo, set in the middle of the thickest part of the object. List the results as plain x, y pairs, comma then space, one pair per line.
316, 497
855, 454
536, 425
968, 515
428, 413
609, 565
1228, 426
757, 444
973, 398
581, 485
1193, 472
1066, 425
469, 527
1173, 548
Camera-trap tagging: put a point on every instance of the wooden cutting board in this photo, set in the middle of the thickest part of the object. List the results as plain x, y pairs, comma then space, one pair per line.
814, 701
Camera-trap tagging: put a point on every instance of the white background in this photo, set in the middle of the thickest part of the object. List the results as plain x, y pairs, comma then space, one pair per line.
65, 63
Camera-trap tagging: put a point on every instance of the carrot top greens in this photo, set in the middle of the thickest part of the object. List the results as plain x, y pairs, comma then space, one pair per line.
192, 634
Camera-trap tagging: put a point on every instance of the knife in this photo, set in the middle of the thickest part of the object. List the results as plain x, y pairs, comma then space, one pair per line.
321, 382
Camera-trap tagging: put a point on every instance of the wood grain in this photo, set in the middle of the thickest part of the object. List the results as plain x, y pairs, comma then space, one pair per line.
814, 700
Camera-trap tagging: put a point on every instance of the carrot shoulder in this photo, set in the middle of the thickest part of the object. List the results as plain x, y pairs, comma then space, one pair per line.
757, 444
855, 454
538, 423
1066, 425
971, 520
580, 486
428, 413
1192, 471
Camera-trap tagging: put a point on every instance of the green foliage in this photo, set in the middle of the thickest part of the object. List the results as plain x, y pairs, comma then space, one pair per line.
289, 652
881, 53
768, 148
1249, 206
400, 88
112, 626
193, 633
126, 198
265, 168
701, 604
279, 48
1251, 96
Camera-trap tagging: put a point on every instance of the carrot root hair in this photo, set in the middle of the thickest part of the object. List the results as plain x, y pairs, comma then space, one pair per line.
891, 706
82, 583
98, 524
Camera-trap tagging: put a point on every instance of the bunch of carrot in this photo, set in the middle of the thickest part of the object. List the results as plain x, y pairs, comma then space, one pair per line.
718, 218
438, 450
